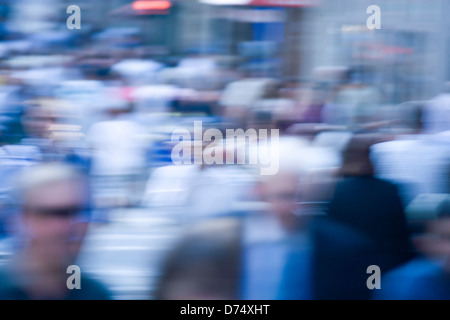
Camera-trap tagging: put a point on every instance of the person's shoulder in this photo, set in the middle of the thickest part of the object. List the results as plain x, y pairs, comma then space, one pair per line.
409, 281
384, 183
9, 289
365, 180
91, 289
5, 278
377, 182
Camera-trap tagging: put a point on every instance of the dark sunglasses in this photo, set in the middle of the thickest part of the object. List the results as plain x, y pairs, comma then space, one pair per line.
62, 212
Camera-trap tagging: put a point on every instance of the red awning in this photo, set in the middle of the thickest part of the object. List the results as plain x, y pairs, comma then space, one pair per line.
145, 7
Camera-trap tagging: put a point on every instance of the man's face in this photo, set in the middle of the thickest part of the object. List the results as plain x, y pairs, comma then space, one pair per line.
280, 191
54, 222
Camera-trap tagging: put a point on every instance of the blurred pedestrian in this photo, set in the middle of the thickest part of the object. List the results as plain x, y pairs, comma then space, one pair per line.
428, 276
366, 226
436, 114
366, 203
54, 199
263, 254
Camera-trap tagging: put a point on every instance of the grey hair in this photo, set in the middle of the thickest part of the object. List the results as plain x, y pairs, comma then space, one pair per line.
40, 175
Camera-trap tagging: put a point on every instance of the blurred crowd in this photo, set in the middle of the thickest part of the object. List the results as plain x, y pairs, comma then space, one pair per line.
86, 128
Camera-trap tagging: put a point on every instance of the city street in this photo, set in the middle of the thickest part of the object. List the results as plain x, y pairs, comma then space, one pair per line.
125, 252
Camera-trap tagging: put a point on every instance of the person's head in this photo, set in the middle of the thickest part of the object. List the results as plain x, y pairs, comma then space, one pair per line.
282, 191
435, 243
356, 156
37, 121
41, 115
203, 264
53, 201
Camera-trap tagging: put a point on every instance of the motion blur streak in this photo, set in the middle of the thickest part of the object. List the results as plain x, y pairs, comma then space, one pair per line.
94, 173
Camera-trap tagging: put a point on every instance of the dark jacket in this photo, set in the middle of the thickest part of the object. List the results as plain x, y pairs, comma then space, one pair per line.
373, 207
